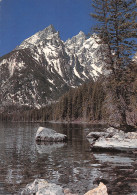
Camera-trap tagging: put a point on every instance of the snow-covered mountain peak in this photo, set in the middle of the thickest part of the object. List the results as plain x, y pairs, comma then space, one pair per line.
79, 38
46, 34
76, 42
43, 67
50, 29
81, 34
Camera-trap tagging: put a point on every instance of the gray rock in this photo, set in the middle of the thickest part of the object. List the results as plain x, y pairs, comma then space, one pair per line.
95, 135
42, 187
113, 139
49, 135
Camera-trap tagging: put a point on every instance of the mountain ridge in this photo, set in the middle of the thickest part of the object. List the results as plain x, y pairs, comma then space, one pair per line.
43, 67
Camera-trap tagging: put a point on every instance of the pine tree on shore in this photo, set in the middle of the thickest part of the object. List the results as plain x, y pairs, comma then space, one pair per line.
117, 29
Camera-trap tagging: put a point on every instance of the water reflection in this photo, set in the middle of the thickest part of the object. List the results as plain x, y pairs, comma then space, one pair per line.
43, 147
114, 159
69, 165
118, 170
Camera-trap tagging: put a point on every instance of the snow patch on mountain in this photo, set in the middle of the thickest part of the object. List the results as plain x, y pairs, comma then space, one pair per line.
76, 72
51, 81
47, 43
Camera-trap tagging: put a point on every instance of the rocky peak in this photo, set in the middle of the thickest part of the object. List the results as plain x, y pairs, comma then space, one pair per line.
81, 34
76, 42
46, 34
80, 37
49, 30
43, 67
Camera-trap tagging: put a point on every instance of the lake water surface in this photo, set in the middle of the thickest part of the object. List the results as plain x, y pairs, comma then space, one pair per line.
70, 164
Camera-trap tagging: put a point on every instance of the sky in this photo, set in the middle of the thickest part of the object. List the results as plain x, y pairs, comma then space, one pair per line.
19, 19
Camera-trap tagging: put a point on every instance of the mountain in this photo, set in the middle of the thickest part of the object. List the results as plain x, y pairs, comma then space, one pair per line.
43, 67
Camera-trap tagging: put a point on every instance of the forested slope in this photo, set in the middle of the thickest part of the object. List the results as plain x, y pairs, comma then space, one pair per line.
94, 102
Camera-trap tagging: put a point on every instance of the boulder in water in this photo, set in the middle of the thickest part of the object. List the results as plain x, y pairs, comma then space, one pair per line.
49, 135
113, 139
42, 187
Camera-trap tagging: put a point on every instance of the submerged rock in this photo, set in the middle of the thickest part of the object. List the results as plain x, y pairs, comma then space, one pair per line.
113, 139
49, 135
100, 190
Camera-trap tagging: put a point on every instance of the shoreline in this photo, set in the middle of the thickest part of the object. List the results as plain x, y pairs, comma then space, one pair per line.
126, 128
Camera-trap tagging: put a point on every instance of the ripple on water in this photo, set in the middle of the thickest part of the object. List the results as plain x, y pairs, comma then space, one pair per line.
70, 165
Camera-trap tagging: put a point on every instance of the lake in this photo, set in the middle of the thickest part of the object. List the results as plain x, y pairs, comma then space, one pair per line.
71, 165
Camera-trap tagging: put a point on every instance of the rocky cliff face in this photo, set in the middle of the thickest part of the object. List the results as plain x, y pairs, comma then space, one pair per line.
43, 67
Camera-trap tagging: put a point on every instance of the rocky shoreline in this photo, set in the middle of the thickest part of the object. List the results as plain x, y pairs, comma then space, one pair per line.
42, 187
113, 139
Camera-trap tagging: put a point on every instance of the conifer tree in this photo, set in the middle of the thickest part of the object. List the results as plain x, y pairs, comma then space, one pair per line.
117, 29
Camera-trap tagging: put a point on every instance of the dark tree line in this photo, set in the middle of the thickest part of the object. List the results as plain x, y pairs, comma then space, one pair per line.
82, 103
